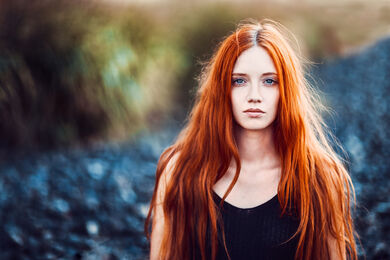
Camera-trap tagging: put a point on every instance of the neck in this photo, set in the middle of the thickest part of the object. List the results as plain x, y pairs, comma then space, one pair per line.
256, 147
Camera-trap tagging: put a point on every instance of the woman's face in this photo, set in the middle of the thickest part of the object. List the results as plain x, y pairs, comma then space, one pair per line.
255, 89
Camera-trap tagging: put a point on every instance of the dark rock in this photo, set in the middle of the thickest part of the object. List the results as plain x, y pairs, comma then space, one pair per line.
358, 89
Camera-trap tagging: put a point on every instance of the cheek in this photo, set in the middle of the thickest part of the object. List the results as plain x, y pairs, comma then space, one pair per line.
276, 103
235, 97
236, 104
275, 97
277, 100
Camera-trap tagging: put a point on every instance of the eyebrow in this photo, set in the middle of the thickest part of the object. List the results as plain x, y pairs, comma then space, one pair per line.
264, 74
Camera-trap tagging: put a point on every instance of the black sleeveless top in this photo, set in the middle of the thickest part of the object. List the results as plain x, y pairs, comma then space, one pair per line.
257, 233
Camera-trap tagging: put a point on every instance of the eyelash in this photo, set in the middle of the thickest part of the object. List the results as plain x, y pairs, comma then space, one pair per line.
273, 81
234, 82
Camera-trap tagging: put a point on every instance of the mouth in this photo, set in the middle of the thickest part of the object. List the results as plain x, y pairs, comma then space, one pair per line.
254, 112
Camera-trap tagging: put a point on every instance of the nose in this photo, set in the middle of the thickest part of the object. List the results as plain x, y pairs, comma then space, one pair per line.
254, 95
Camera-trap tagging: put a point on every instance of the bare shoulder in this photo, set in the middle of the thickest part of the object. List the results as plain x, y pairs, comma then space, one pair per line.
337, 252
165, 177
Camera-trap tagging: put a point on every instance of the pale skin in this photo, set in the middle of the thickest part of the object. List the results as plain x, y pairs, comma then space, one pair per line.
255, 86
158, 217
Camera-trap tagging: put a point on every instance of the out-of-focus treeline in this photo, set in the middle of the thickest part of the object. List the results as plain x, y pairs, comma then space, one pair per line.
77, 72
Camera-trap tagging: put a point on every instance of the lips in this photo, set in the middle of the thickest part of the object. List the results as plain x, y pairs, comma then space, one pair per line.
254, 110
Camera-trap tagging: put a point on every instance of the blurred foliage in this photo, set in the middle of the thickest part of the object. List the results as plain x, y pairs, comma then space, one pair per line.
78, 72
66, 79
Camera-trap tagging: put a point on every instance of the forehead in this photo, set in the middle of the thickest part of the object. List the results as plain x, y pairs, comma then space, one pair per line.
254, 60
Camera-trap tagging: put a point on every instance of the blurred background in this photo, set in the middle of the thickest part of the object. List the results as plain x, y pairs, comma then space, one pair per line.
92, 91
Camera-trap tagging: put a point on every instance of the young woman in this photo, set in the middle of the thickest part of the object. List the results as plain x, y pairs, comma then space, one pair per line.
253, 175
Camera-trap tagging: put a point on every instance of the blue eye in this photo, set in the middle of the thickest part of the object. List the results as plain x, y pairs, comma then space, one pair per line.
270, 81
238, 81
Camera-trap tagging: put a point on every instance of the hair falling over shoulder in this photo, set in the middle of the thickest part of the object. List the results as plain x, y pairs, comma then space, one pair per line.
314, 180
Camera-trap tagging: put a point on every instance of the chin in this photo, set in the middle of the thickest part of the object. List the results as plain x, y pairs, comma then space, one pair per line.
254, 127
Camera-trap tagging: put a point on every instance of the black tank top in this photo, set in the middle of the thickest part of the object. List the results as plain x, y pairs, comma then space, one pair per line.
257, 233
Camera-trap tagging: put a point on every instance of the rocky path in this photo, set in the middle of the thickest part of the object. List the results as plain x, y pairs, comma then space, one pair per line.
79, 204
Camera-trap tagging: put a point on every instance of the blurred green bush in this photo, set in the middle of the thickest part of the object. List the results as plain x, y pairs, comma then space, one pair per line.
72, 73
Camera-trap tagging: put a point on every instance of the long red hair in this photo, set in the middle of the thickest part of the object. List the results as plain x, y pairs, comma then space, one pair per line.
314, 180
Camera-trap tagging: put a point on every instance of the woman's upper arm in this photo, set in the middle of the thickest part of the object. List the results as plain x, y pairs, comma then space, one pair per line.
158, 213
157, 232
335, 253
